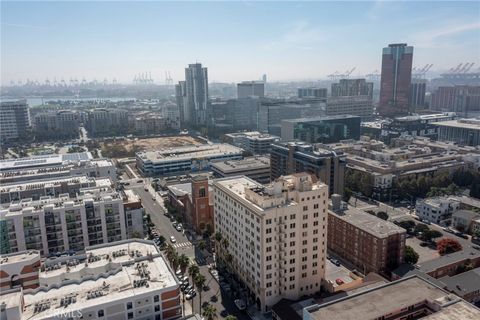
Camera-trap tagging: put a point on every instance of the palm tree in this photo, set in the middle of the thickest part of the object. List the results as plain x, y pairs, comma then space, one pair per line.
202, 245
193, 270
210, 312
231, 317
199, 281
218, 236
169, 252
183, 262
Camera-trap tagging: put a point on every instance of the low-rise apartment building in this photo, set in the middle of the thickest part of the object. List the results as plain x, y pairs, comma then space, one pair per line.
128, 279
63, 224
256, 168
276, 234
367, 242
182, 160
436, 210
55, 166
253, 141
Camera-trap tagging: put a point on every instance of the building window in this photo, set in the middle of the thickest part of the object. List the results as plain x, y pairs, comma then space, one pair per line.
100, 313
269, 230
129, 305
156, 298
130, 315
202, 192
157, 307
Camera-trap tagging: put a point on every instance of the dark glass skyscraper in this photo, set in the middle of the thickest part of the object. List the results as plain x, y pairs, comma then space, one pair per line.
395, 80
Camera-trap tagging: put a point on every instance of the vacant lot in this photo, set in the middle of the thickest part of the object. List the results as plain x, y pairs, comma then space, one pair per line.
127, 147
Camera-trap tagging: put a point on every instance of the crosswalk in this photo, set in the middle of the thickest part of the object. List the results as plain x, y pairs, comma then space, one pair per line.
182, 245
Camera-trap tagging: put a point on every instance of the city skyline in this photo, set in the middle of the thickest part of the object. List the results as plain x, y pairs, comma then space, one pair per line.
235, 40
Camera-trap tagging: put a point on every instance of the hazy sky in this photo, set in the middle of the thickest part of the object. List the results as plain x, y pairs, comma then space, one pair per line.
235, 40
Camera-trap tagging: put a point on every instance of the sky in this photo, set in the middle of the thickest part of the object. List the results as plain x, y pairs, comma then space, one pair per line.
235, 40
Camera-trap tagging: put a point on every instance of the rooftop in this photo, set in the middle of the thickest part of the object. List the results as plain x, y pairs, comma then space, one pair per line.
43, 160
252, 135
473, 124
463, 283
448, 259
460, 310
46, 183
466, 214
133, 267
382, 300
367, 222
323, 118
189, 152
250, 163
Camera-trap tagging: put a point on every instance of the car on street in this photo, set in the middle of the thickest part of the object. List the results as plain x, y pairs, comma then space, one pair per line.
139, 181
190, 295
449, 230
336, 262
174, 224
424, 244
172, 239
178, 228
240, 304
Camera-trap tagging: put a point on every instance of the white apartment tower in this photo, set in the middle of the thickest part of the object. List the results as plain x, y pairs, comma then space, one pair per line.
276, 234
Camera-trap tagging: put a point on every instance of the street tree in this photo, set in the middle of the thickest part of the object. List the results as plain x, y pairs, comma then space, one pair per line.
448, 245
411, 257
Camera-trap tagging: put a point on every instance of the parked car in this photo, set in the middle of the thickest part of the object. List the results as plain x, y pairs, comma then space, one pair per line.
174, 224
191, 295
172, 239
179, 228
240, 304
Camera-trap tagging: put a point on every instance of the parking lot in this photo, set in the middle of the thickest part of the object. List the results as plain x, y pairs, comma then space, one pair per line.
425, 253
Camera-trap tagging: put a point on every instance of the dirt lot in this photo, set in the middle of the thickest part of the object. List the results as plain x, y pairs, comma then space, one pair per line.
128, 147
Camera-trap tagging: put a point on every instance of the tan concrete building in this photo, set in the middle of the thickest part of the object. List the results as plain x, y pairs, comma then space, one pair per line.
276, 234
19, 270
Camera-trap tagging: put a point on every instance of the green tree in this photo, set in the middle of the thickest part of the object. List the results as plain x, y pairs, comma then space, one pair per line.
193, 270
218, 236
429, 235
366, 185
382, 215
210, 312
231, 317
411, 257
421, 227
199, 281
202, 245
183, 262
347, 194
407, 225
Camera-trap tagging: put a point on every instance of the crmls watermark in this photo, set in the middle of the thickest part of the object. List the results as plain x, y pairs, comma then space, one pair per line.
64, 314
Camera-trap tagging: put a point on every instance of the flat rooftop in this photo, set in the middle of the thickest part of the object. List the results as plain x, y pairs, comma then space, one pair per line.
379, 301
367, 222
323, 118
39, 184
189, 152
252, 135
251, 163
44, 160
28, 255
473, 124
460, 310
136, 260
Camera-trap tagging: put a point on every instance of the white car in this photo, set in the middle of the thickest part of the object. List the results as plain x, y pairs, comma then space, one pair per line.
172, 239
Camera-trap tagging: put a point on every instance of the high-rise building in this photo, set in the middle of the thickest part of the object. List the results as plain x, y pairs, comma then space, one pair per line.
395, 80
305, 93
361, 106
352, 87
246, 89
101, 122
196, 95
180, 94
291, 157
418, 88
276, 235
14, 120
460, 99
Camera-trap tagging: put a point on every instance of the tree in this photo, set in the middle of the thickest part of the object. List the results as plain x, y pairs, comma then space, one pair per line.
407, 225
382, 215
202, 245
428, 235
448, 245
199, 281
183, 262
231, 317
218, 236
210, 312
421, 227
169, 252
193, 270
347, 194
411, 257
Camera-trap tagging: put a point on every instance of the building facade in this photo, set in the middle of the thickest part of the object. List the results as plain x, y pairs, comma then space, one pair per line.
256, 168
63, 124
395, 80
352, 88
14, 120
276, 235
252, 141
461, 131
322, 129
292, 157
107, 122
369, 243
418, 89
64, 224
437, 210
361, 106
246, 89
462, 99
182, 160
19, 270
312, 93
128, 279
196, 95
